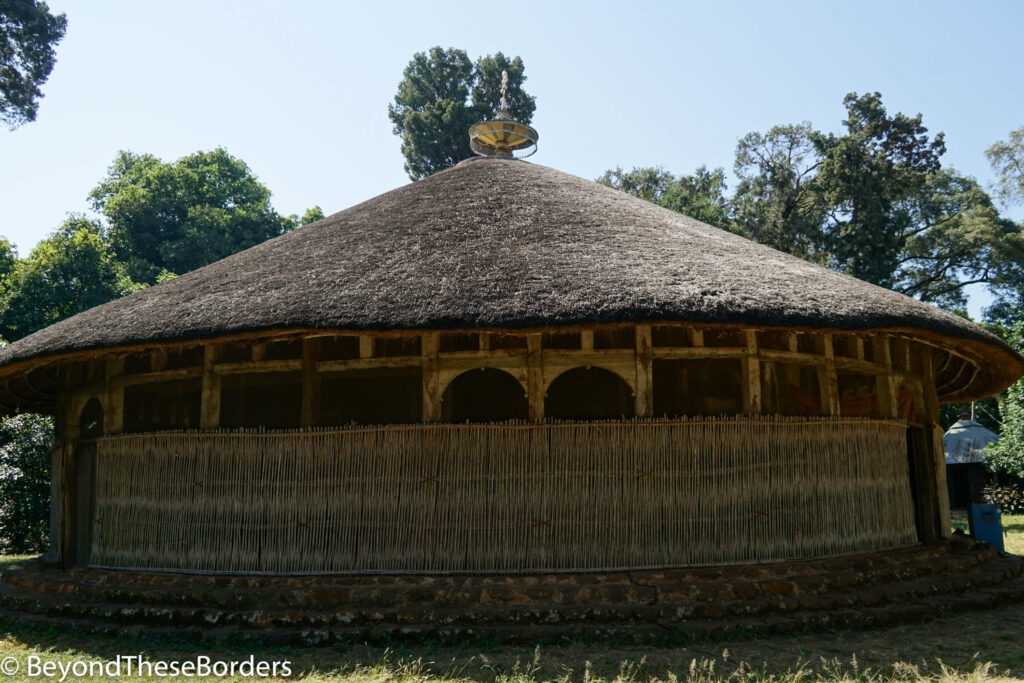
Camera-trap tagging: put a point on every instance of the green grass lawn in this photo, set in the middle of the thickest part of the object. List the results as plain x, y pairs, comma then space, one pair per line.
983, 647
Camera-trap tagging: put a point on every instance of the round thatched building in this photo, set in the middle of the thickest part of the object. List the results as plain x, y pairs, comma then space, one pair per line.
501, 368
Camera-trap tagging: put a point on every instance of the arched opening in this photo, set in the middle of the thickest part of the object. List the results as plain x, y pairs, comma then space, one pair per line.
589, 394
82, 482
484, 395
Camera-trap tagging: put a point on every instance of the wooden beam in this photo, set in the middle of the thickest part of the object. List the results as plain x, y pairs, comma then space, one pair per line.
210, 405
246, 367
310, 382
679, 352
535, 377
259, 351
369, 363
162, 376
113, 403
587, 340
158, 360
644, 394
752, 376
430, 342
695, 336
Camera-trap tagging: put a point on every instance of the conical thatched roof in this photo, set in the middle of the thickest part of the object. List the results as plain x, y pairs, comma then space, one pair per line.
502, 243
965, 441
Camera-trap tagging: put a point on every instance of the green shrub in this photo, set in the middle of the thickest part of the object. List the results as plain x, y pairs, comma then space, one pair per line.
26, 442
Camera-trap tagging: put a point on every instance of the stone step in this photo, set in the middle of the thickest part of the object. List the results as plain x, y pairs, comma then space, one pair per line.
699, 630
380, 592
470, 613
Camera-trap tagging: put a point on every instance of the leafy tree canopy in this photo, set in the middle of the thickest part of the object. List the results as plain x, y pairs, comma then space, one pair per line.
1007, 454
183, 215
1007, 159
28, 35
72, 270
873, 202
442, 94
701, 195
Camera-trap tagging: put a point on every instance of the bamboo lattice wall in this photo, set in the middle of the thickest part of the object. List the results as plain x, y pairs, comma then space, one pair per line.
502, 498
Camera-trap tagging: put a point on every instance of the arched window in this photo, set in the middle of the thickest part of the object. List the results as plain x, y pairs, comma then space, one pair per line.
589, 394
484, 395
90, 423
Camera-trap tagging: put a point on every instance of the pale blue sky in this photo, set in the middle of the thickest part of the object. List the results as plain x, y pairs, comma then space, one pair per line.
300, 91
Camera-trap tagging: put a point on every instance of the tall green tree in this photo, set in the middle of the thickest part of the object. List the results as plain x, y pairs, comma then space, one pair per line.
777, 201
72, 270
701, 195
865, 175
28, 35
1007, 159
442, 94
180, 216
26, 442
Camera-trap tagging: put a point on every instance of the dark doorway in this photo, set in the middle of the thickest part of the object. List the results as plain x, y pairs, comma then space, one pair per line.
81, 483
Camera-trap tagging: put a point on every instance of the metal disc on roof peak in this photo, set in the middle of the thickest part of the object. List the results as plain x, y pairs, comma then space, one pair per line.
503, 137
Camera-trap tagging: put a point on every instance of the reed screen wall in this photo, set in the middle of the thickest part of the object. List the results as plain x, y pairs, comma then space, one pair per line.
502, 498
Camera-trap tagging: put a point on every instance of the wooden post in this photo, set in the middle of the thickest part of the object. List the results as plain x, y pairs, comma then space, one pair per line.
430, 342
828, 380
365, 346
113, 403
886, 385
752, 377
644, 372
158, 360
535, 377
938, 455
210, 410
587, 340
310, 382
259, 352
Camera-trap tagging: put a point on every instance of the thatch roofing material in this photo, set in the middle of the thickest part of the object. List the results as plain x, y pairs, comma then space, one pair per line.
502, 243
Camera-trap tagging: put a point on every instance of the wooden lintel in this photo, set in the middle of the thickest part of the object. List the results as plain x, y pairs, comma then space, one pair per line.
162, 376
680, 352
368, 363
246, 367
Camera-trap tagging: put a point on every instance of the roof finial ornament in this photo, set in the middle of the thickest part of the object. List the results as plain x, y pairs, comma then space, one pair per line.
503, 137
503, 105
